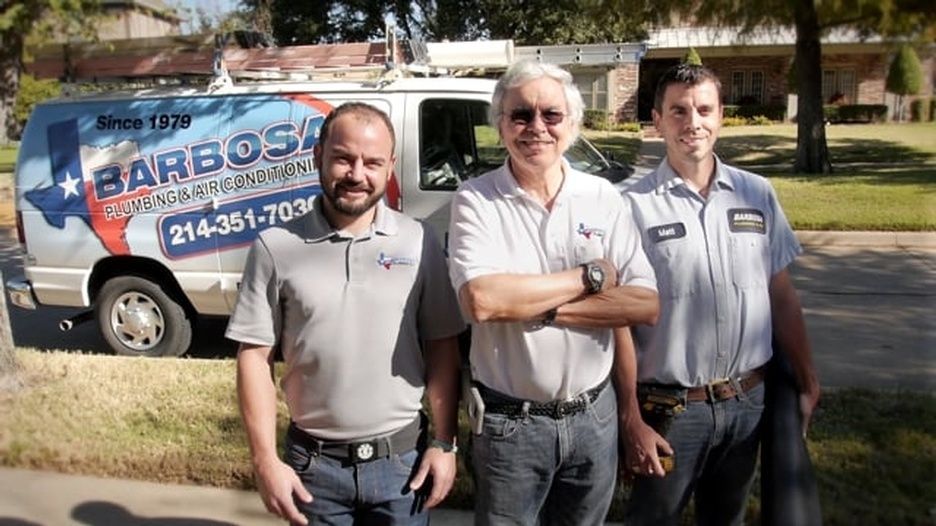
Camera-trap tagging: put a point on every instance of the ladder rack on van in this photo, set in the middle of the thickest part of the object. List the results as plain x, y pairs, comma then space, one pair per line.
212, 60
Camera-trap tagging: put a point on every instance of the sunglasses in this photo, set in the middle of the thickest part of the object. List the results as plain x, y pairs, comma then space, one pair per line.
524, 116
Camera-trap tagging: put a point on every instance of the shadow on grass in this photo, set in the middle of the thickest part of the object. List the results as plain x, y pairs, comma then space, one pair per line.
773, 149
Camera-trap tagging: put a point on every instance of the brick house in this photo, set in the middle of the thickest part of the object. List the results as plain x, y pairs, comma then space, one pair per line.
621, 78
137, 19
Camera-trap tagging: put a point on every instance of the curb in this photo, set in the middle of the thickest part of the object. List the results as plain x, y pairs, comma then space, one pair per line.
867, 239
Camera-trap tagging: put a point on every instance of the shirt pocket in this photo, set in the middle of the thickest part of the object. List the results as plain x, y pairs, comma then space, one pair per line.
673, 261
750, 261
587, 249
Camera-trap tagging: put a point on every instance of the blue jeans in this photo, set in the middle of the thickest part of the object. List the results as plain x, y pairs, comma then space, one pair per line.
716, 455
368, 493
537, 469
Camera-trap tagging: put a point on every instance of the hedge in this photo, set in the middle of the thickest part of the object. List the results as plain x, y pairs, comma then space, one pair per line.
921, 110
855, 112
774, 112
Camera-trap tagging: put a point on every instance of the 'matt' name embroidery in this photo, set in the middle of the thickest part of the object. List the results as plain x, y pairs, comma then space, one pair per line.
387, 262
746, 220
663, 232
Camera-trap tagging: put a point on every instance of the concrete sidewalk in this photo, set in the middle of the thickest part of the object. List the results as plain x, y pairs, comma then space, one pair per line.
32, 498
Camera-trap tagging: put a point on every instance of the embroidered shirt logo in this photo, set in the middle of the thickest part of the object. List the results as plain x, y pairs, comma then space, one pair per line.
746, 220
386, 261
588, 231
669, 231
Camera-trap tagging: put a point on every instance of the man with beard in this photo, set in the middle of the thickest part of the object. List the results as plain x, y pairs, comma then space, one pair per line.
356, 297
720, 244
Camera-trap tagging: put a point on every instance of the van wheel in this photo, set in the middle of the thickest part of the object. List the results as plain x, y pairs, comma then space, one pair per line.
137, 318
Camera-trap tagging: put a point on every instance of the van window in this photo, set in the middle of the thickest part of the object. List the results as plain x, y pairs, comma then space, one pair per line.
454, 137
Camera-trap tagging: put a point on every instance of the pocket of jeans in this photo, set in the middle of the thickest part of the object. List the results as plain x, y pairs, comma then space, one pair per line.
405, 463
500, 427
753, 398
604, 408
300, 459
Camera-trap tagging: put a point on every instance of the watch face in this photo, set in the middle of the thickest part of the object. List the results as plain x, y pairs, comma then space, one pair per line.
597, 275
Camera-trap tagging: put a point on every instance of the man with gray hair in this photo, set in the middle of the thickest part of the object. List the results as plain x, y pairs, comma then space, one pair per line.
549, 269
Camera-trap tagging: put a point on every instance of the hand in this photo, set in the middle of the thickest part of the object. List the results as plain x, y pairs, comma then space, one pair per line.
439, 467
277, 482
808, 400
642, 447
610, 274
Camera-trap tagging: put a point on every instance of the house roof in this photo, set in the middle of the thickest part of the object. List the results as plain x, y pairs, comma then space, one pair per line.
702, 37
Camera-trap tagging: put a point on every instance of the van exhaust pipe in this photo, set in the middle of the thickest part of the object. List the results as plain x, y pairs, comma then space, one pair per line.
69, 323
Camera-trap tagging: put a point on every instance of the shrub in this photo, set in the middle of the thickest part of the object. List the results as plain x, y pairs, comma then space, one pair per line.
932, 109
921, 110
772, 112
597, 120
692, 57
633, 127
855, 112
734, 121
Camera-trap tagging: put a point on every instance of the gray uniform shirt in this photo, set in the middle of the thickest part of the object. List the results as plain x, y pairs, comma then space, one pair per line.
350, 315
714, 260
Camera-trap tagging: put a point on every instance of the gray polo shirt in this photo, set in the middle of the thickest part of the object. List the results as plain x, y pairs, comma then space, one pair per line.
350, 315
713, 260
496, 227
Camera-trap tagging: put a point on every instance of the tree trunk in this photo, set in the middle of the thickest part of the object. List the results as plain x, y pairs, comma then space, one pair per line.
9, 370
11, 63
812, 152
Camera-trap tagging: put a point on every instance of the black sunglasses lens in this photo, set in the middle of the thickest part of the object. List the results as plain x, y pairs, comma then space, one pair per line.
521, 116
552, 117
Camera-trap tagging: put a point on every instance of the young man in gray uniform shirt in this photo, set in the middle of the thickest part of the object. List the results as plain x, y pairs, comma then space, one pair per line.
356, 297
720, 244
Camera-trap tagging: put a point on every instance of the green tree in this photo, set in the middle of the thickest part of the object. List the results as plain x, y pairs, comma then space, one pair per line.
692, 57
40, 21
550, 22
32, 91
905, 76
810, 18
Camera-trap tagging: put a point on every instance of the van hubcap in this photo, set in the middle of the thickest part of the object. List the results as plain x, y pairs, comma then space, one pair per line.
137, 321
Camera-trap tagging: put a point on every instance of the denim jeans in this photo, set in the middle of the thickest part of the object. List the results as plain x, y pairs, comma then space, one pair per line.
716, 455
368, 493
537, 469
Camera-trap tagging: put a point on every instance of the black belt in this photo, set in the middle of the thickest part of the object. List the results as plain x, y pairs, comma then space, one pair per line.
405, 439
501, 404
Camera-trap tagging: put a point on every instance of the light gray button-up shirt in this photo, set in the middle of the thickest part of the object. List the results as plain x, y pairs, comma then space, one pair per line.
714, 260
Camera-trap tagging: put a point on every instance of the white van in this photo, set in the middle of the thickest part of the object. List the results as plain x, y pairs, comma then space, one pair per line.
142, 205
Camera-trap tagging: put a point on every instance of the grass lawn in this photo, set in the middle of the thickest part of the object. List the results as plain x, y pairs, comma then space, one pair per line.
7, 158
176, 420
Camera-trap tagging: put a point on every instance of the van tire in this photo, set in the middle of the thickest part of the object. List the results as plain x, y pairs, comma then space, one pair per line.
137, 318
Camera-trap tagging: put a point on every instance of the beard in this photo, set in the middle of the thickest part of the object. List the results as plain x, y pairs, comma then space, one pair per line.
350, 208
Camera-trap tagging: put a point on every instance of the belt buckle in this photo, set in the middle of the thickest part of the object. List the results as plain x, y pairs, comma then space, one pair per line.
363, 451
710, 389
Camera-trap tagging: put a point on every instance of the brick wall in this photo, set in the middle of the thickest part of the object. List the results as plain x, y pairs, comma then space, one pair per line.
774, 69
623, 82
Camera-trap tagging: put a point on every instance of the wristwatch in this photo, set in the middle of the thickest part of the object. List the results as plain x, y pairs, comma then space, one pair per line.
593, 277
447, 447
549, 318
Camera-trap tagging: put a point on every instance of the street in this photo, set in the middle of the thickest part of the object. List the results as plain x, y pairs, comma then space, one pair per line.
869, 310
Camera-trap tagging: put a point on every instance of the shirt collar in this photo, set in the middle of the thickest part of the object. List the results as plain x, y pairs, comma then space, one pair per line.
507, 185
665, 178
319, 229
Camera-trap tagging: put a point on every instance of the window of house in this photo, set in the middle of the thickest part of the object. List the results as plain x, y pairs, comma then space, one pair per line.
747, 87
594, 89
838, 85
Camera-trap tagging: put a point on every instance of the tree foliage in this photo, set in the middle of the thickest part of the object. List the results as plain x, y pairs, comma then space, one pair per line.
692, 57
38, 21
905, 76
529, 22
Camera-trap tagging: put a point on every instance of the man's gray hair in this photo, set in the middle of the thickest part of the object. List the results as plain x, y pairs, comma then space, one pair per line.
529, 70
